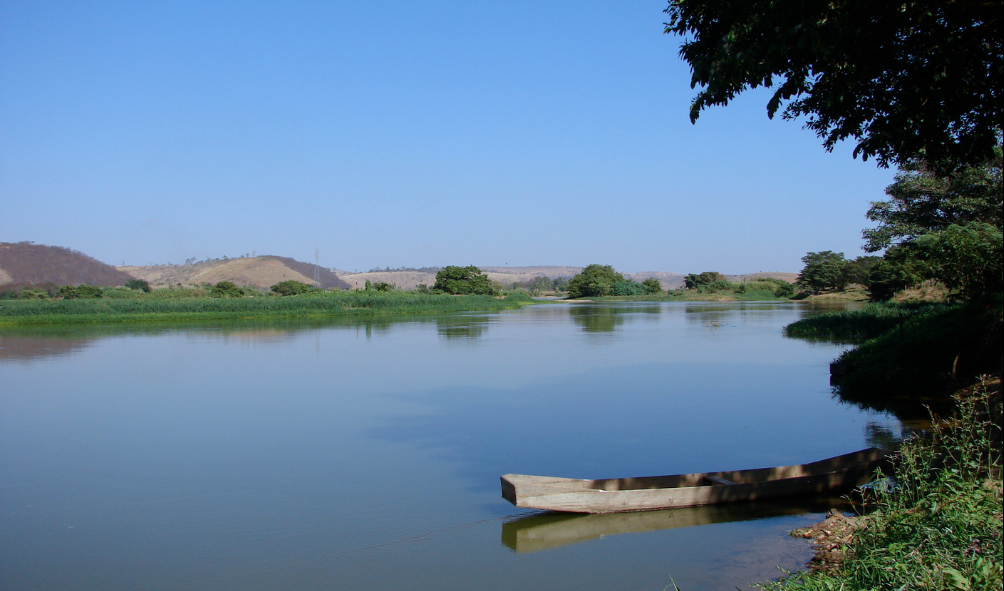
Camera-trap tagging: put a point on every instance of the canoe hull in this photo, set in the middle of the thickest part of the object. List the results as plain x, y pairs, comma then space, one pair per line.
689, 490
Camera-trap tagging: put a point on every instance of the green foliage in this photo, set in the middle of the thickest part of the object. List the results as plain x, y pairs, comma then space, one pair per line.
823, 271
898, 270
941, 227
921, 201
857, 270
140, 284
383, 286
651, 286
226, 289
778, 288
291, 288
33, 294
540, 284
368, 286
903, 79
628, 288
867, 322
463, 281
80, 292
316, 304
695, 281
940, 527
968, 258
518, 295
594, 280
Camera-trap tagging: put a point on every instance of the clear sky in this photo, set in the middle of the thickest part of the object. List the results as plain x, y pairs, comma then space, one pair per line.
400, 134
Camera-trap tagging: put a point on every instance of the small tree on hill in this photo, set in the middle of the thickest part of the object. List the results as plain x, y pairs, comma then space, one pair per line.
463, 281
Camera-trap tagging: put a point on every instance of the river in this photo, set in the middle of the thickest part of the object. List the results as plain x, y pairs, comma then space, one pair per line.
366, 454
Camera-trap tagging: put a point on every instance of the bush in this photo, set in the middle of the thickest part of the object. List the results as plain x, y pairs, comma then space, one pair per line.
652, 286
226, 289
627, 288
33, 294
463, 281
80, 292
139, 284
518, 296
291, 288
383, 286
594, 280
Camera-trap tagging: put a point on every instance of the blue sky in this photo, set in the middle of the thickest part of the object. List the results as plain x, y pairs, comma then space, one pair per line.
400, 134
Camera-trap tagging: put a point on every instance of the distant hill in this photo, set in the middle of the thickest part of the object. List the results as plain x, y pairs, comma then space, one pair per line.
262, 272
29, 263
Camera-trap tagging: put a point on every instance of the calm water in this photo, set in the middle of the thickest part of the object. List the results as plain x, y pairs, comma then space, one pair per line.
366, 455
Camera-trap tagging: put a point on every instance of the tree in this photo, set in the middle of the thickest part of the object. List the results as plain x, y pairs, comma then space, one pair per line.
226, 289
463, 281
695, 281
139, 284
652, 286
923, 201
594, 281
291, 287
627, 288
897, 270
823, 270
80, 292
857, 270
904, 79
940, 227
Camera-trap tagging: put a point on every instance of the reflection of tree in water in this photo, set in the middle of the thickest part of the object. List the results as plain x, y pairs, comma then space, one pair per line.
28, 348
881, 436
462, 327
608, 318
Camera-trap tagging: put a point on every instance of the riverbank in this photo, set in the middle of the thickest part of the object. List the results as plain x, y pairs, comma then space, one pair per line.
685, 295
939, 526
321, 304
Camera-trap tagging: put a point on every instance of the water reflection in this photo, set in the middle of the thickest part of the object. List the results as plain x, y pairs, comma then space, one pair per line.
462, 327
599, 318
545, 531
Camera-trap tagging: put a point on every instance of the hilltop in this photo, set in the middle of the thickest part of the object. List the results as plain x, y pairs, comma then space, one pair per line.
28, 263
261, 272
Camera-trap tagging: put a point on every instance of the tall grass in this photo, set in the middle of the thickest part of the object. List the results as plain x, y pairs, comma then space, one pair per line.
939, 527
867, 322
195, 308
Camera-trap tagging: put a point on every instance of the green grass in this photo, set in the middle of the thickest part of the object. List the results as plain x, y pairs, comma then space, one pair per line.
684, 295
156, 307
940, 527
867, 322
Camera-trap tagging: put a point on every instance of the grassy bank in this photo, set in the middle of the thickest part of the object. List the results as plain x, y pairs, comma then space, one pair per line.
692, 295
940, 526
867, 322
322, 304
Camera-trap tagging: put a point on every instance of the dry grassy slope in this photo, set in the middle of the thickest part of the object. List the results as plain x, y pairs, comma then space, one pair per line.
402, 279
789, 277
25, 262
261, 272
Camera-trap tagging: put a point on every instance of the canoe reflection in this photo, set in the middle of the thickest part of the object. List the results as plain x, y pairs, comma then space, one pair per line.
544, 531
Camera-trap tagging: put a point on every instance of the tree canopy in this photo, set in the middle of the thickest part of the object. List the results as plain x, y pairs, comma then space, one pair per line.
903, 79
939, 227
823, 270
593, 281
463, 281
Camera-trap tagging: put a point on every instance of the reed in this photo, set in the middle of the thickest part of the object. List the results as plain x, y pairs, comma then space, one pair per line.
147, 309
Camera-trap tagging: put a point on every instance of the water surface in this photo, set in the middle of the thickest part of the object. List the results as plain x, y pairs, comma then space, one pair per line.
365, 454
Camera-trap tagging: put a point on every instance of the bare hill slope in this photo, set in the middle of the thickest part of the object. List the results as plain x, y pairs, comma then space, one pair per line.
25, 262
261, 272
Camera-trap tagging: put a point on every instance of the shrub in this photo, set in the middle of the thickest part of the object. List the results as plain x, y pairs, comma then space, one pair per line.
80, 292
226, 289
627, 288
291, 287
33, 294
139, 284
463, 280
652, 286
594, 280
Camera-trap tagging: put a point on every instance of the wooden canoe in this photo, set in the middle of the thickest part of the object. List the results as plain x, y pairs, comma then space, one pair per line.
648, 493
